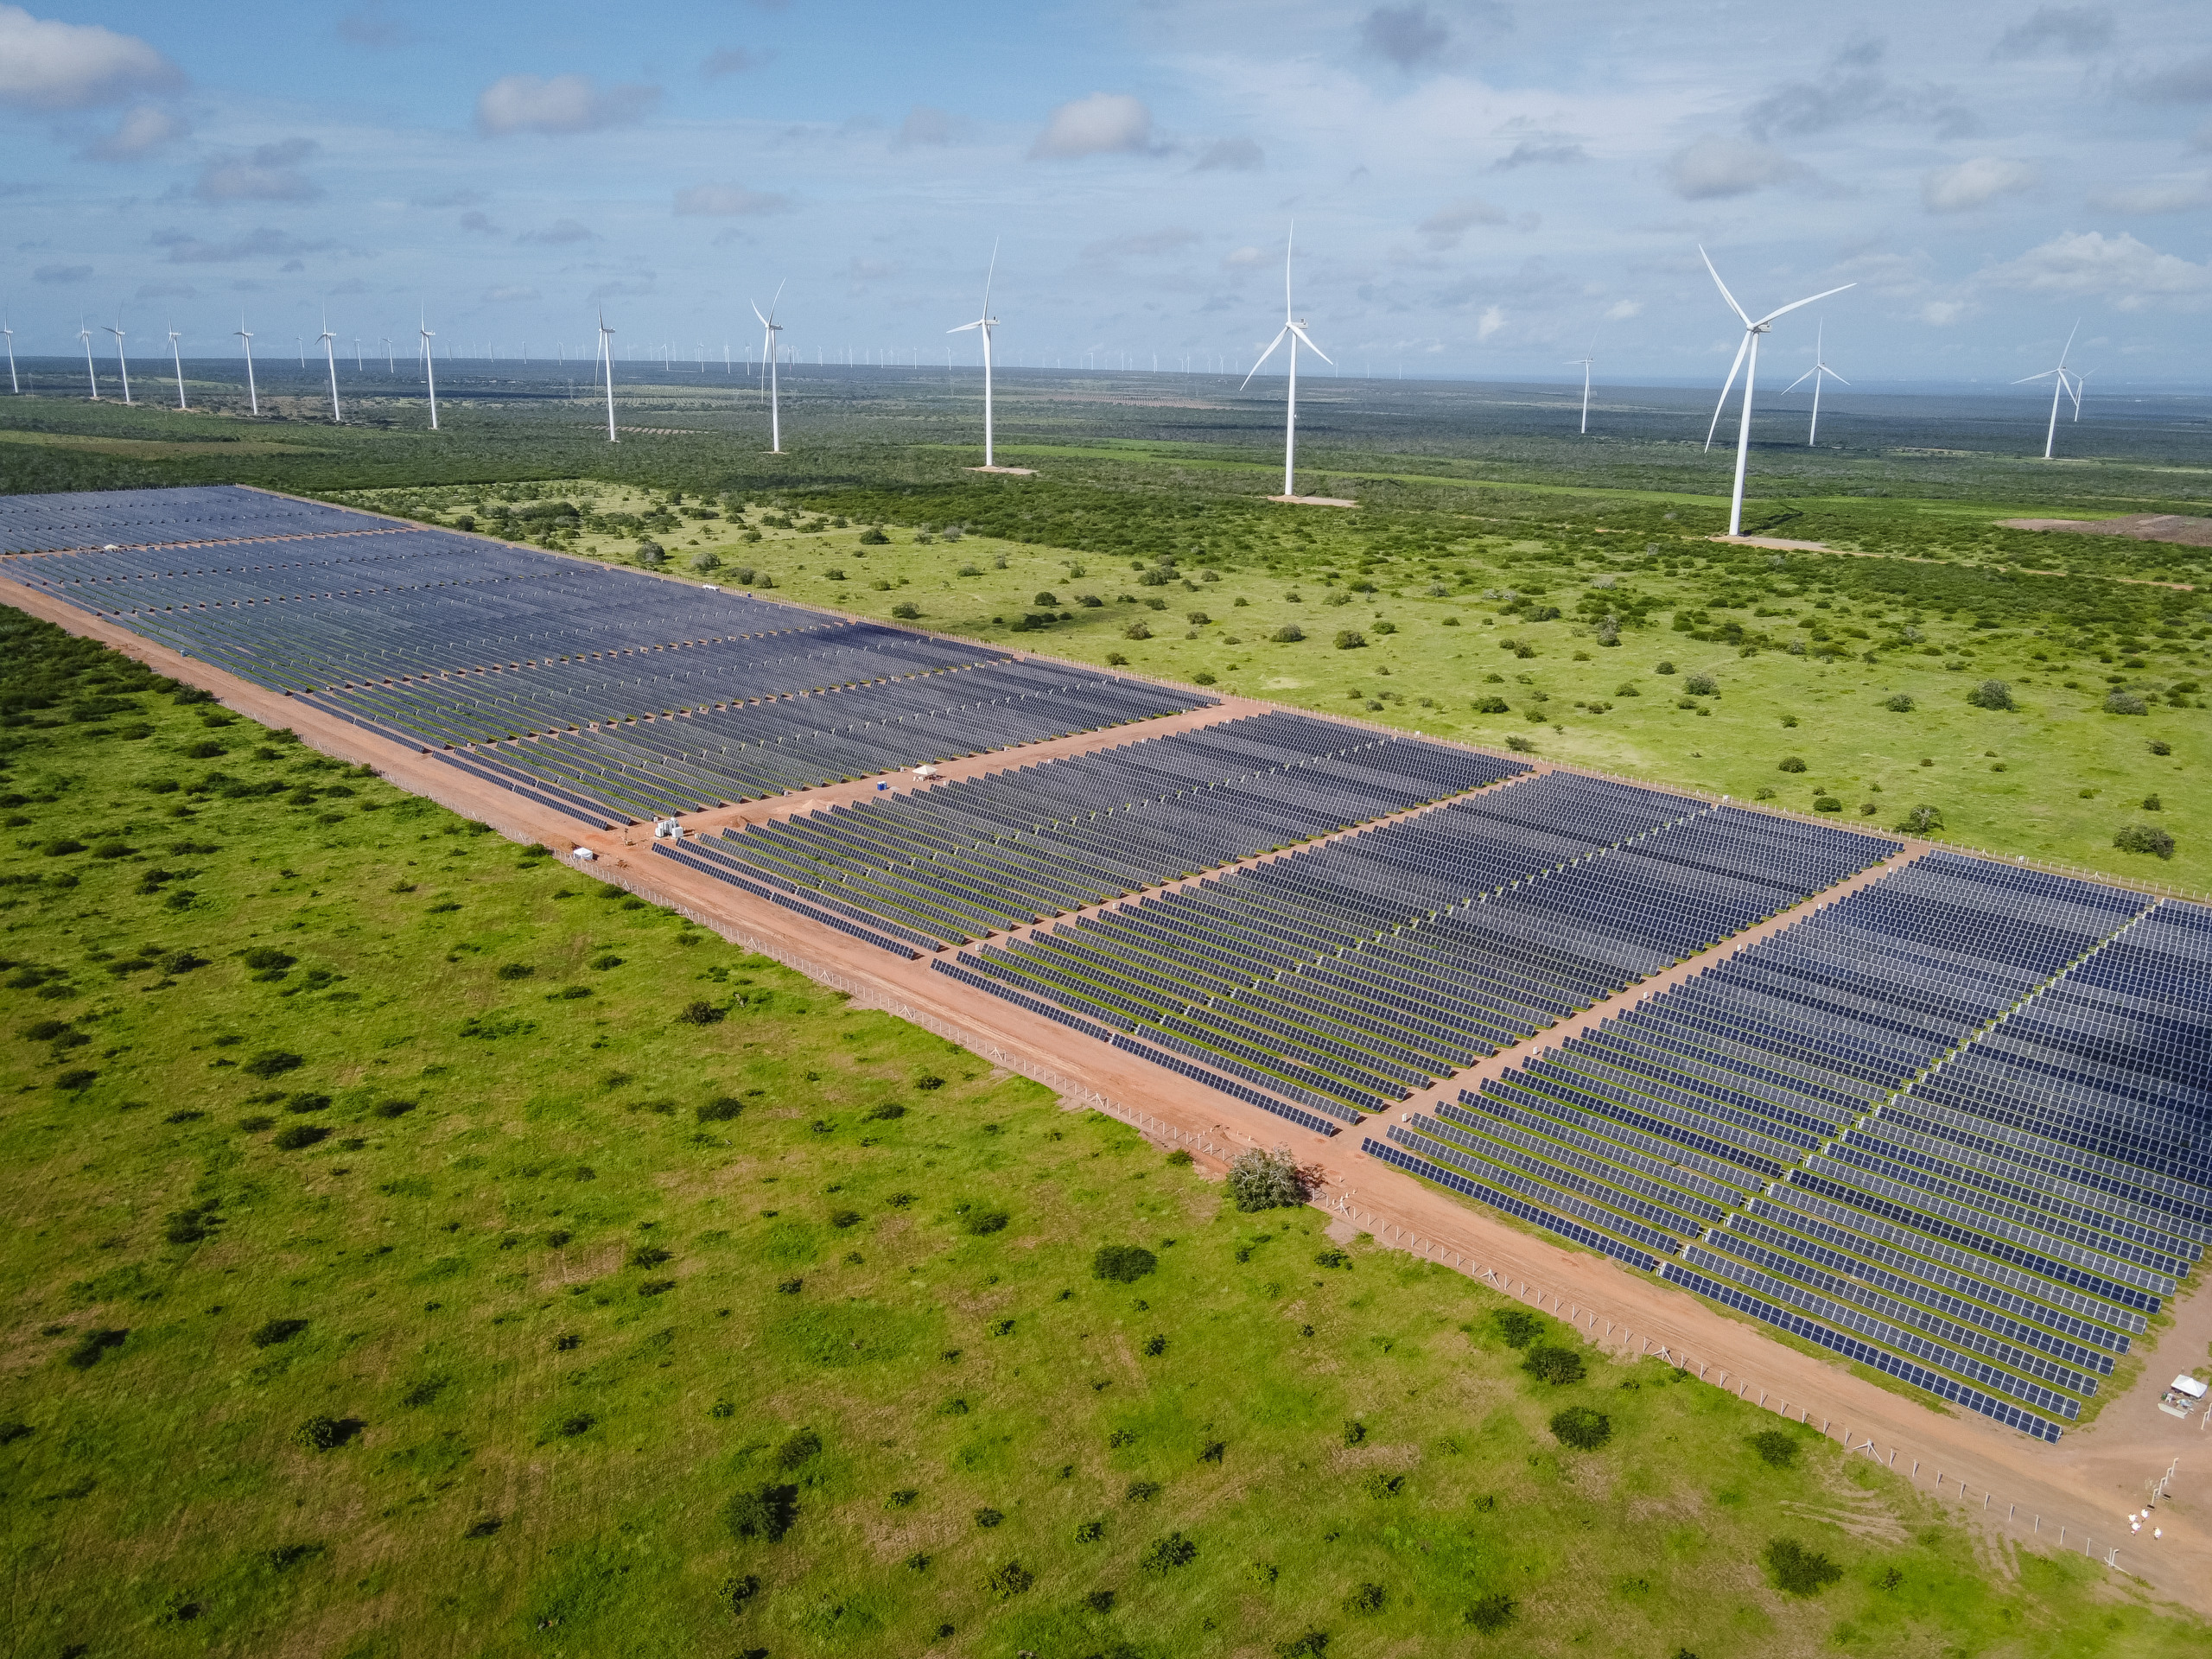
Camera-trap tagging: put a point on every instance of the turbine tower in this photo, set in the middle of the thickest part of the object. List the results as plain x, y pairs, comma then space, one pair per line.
430, 363
607, 352
1587, 359
177, 358
328, 342
2061, 382
1819, 372
1749, 348
15, 387
984, 324
121, 362
252, 396
1294, 331
769, 355
91, 374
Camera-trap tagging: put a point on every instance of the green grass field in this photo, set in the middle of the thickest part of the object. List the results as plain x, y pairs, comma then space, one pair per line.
420, 1248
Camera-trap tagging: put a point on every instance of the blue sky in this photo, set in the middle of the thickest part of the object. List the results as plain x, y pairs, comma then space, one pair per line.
1480, 187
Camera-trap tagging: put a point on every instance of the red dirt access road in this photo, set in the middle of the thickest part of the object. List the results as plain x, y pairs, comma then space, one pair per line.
2078, 1492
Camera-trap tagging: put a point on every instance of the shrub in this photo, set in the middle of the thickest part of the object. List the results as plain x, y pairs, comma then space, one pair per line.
1100, 1601
1154, 1346
1517, 1325
798, 1447
1582, 1428
1289, 634
1557, 1365
1776, 1449
1701, 685
1520, 745
1009, 1581
1350, 639
1090, 1532
981, 1221
1268, 1180
272, 1063
737, 1593
295, 1137
1367, 1599
883, 1114
2159, 746
1331, 1259
1902, 703
395, 1107
1117, 659
2125, 703
1992, 694
1378, 1485
1354, 1432
276, 1330
1491, 1613
1792, 763
842, 1219
1664, 668
2145, 838
1827, 803
1164, 1554
648, 1255
323, 1433
2152, 803
1922, 821
651, 554
906, 610
262, 959
1204, 677
86, 1351
1136, 631
1180, 1158
721, 1109
702, 1013
764, 1512
1799, 1571
1492, 705
1312, 1645
515, 970
1123, 1264
76, 1080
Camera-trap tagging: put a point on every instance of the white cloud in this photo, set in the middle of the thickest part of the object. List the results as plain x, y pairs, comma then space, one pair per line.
2174, 195
927, 124
510, 292
1245, 258
1713, 167
1526, 154
1104, 123
724, 201
269, 173
1621, 310
141, 132
1942, 313
2090, 265
1975, 183
1448, 224
1492, 320
563, 103
45, 65
1229, 155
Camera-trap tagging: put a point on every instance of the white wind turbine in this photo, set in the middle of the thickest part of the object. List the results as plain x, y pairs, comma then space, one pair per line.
1294, 331
607, 354
177, 358
770, 328
1749, 348
430, 363
328, 342
1586, 360
91, 374
2081, 385
985, 324
252, 396
1818, 372
121, 362
14, 386
2062, 383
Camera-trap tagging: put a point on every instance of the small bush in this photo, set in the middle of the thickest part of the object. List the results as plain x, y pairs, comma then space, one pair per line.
1799, 1571
1776, 1449
1792, 763
1268, 1180
76, 1080
983, 1222
987, 1518
515, 970
1312, 1645
766, 1512
1517, 1326
721, 1109
906, 611
1922, 821
272, 1063
702, 1013
394, 1108
276, 1330
1204, 677
1582, 1428
1165, 1554
798, 1447
324, 1433
1555, 1365
1902, 703
1992, 694
1136, 631
294, 1137
1367, 1599
1520, 745
2125, 703
1100, 1601
1332, 1258
1379, 1485
1289, 634
1154, 1346
1180, 1158
648, 1255
1123, 1264
85, 1352
1491, 1613
262, 959
1701, 685
1350, 639
2145, 838
1009, 1581
1492, 705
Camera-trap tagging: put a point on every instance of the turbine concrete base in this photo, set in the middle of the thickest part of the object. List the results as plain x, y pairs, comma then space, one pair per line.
1011, 472
1313, 500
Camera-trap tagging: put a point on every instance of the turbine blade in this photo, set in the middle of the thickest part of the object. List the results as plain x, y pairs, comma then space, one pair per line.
965, 326
1801, 379
990, 276
1722, 286
771, 317
2026, 378
755, 304
1832, 374
1264, 356
1310, 347
1807, 300
2069, 346
1733, 369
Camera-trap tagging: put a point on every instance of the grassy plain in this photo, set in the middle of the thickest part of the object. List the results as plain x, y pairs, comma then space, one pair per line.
420, 1248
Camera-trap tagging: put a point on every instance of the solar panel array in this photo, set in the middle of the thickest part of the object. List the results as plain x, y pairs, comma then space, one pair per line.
38, 523
1952, 1128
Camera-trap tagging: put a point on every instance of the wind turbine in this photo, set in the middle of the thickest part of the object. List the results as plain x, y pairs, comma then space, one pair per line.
252, 396
1587, 359
177, 358
121, 362
430, 365
329, 342
1819, 372
1294, 331
15, 387
1749, 348
770, 329
91, 374
2081, 385
985, 324
2062, 383
607, 352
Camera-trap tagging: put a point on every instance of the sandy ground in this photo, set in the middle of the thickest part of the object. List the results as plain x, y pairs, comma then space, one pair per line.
2072, 1496
2140, 526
